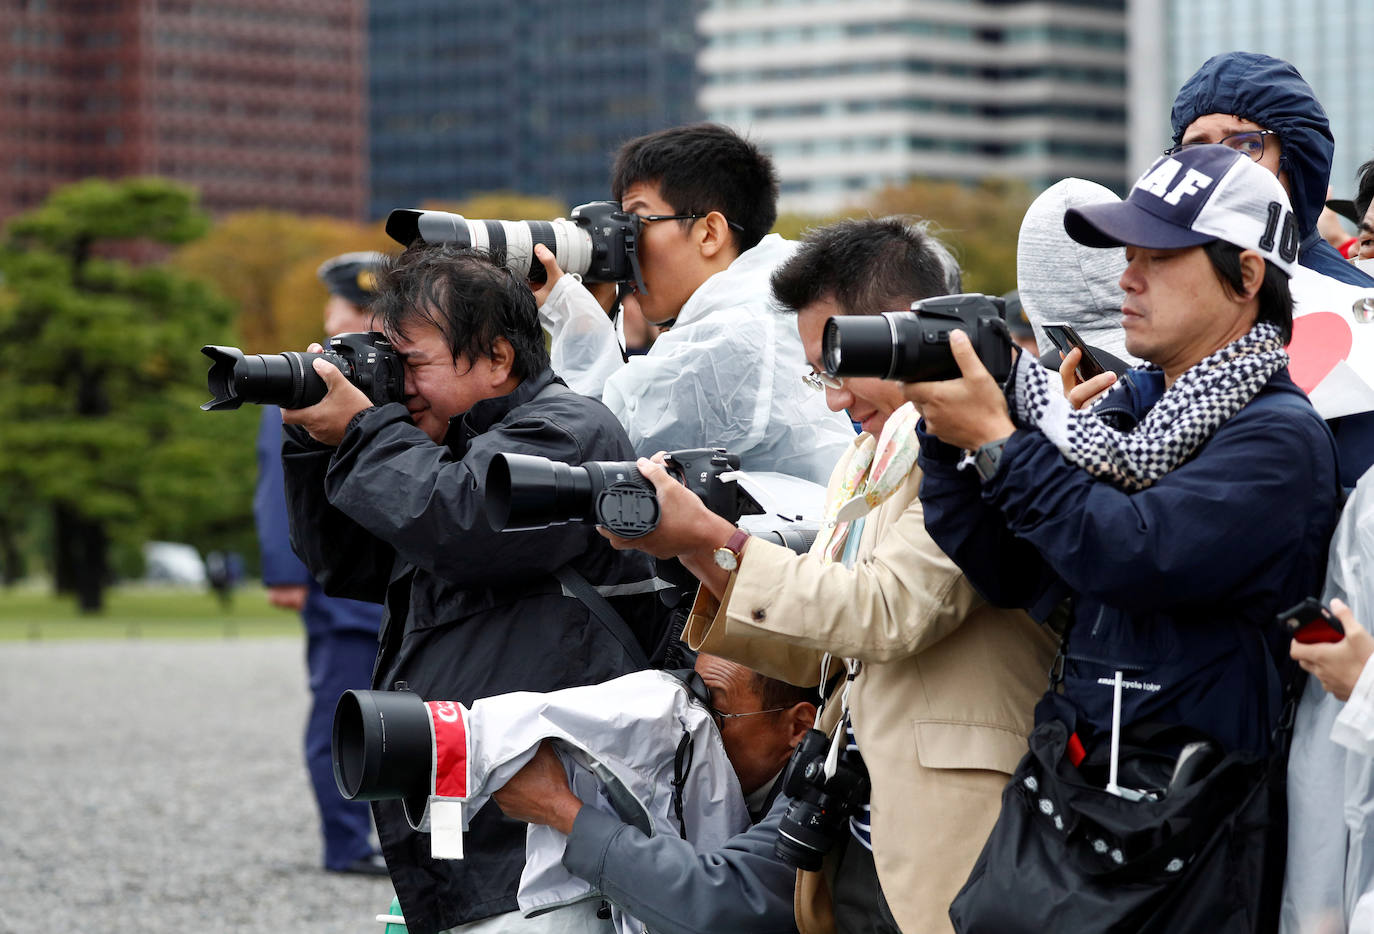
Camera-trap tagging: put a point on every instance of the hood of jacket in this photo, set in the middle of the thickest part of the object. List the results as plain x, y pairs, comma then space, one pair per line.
1270, 92
1060, 280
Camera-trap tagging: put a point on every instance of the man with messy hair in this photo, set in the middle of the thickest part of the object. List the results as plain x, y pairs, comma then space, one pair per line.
388, 505
725, 373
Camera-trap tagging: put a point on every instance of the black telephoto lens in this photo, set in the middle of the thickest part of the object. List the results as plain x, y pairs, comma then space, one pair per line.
859, 345
528, 492
382, 747
285, 379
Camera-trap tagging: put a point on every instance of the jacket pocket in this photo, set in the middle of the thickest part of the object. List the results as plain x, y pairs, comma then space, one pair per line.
946, 744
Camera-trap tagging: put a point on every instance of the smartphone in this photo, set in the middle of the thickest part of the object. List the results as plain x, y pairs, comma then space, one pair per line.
1310, 621
1065, 338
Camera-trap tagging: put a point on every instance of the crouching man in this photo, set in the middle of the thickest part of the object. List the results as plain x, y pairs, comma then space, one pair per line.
661, 880
387, 505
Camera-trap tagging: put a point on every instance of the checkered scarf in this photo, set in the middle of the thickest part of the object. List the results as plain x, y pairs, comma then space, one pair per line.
1188, 413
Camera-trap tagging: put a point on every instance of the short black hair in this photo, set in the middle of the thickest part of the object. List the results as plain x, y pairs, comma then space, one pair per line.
1364, 189
701, 168
867, 266
1275, 299
469, 296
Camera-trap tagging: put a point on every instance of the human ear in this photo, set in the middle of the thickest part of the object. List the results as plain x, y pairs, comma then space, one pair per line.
714, 235
801, 717
502, 360
1251, 273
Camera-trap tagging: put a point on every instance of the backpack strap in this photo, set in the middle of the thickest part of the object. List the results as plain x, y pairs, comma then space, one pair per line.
578, 586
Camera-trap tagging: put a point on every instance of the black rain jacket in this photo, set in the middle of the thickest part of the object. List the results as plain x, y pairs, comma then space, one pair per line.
391, 517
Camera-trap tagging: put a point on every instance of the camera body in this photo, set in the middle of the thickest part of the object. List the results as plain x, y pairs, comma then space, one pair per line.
289, 379
913, 346
821, 806
528, 492
599, 241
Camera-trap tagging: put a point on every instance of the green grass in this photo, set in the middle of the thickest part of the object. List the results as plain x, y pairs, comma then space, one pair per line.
139, 612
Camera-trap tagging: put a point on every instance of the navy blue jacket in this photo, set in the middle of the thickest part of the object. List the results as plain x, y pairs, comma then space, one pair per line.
1271, 92
280, 566
1176, 585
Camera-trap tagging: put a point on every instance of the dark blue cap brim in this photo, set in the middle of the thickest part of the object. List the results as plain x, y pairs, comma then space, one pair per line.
1121, 223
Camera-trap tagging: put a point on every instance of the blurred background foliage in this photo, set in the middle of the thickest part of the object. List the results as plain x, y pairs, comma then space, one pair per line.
110, 289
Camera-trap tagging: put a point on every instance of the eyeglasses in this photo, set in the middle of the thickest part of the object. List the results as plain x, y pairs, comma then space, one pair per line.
650, 218
1250, 144
720, 718
822, 381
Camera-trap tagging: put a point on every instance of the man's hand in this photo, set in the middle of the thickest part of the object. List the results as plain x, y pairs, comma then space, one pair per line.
551, 273
967, 412
1082, 393
686, 529
288, 596
327, 419
539, 793
1337, 665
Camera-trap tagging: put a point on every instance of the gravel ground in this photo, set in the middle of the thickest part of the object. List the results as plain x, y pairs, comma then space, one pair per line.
159, 786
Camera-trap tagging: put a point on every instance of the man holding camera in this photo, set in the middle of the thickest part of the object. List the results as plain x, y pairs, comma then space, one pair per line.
725, 374
661, 880
1186, 509
941, 685
387, 505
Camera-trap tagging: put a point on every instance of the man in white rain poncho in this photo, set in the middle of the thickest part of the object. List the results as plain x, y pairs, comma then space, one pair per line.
728, 372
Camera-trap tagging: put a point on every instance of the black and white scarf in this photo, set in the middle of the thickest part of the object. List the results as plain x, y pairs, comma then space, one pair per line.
1188, 413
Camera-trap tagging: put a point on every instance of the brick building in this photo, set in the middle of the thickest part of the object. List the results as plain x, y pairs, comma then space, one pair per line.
258, 103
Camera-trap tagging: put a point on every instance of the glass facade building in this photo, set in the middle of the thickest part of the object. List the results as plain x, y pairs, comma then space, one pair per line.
852, 95
532, 97
1323, 38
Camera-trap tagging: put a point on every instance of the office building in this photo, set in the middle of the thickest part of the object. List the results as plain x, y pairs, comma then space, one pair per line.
255, 102
853, 95
534, 97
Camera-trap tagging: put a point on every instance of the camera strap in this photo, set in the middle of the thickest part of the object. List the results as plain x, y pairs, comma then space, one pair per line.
578, 586
841, 738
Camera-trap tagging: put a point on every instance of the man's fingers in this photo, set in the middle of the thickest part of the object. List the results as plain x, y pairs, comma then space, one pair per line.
655, 473
548, 261
328, 371
1343, 613
964, 354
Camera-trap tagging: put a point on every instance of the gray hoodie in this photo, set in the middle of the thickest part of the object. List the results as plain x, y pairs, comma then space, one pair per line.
1061, 280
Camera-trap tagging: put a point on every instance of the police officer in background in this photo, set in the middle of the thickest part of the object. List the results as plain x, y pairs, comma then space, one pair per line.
340, 635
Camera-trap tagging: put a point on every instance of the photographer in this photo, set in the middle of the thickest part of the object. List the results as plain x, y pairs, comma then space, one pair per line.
743, 886
943, 684
1189, 506
725, 374
387, 506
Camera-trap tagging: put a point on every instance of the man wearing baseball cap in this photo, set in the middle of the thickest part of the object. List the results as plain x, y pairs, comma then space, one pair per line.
1185, 510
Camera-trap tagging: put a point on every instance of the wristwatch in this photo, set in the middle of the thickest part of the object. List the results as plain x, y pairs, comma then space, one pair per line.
988, 458
727, 556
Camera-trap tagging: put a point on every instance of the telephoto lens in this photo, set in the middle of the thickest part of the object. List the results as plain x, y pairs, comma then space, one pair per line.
528, 492
913, 346
289, 379
599, 242
383, 748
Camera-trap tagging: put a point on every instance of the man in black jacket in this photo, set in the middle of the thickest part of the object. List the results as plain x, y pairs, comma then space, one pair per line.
387, 504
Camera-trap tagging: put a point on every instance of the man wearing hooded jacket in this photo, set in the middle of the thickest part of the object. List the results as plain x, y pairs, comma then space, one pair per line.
1242, 92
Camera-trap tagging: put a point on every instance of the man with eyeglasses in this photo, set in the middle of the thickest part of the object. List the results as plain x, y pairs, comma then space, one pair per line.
661, 880
725, 373
1261, 106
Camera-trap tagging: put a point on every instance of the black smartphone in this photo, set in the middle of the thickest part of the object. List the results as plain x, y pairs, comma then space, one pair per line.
1311, 621
1065, 338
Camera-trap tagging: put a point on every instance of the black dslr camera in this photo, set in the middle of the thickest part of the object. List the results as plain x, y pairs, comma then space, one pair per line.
820, 806
913, 346
290, 381
528, 492
600, 242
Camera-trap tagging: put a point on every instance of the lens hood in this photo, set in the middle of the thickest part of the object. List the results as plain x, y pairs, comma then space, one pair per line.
383, 747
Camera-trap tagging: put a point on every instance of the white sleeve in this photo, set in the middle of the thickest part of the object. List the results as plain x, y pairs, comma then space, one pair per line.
583, 347
1354, 726
709, 383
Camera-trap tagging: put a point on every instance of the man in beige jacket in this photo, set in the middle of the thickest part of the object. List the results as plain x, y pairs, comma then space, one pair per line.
945, 686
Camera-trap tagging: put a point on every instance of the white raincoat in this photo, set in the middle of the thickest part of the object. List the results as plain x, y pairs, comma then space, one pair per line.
1331, 763
618, 741
728, 373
